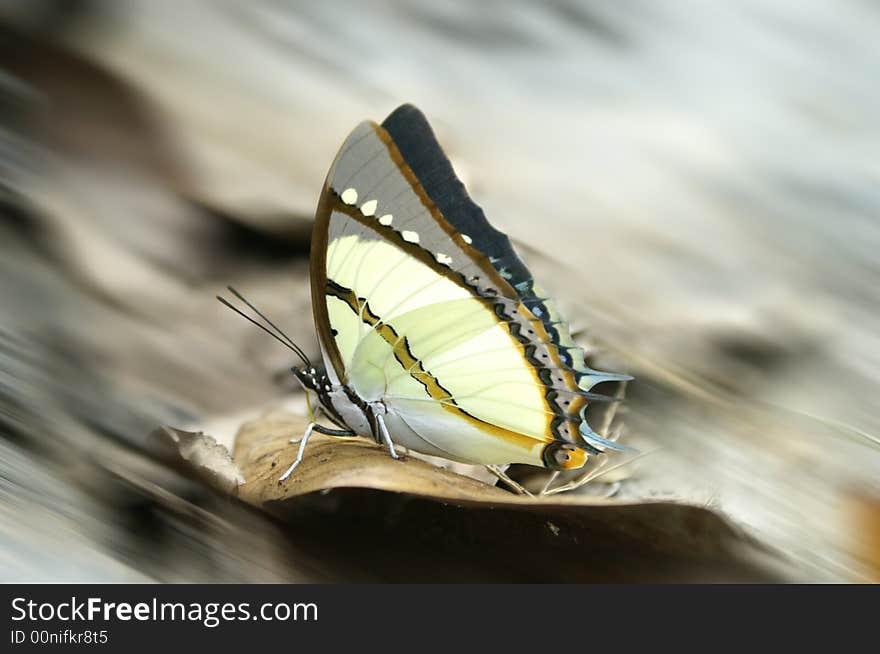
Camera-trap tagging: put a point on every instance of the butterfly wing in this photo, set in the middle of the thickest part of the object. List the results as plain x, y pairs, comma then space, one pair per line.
421, 304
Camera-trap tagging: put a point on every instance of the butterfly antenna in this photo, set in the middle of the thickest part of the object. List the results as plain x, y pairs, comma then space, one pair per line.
264, 317
277, 334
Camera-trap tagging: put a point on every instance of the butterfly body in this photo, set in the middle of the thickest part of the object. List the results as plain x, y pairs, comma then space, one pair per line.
433, 333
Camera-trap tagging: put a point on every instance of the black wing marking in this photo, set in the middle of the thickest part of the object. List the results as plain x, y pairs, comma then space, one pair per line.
415, 139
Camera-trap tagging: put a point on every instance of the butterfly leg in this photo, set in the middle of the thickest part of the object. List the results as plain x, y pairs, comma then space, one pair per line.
336, 433
304, 439
549, 483
503, 476
595, 473
386, 437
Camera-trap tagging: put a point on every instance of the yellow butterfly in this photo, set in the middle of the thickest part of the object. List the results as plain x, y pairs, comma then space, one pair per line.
433, 333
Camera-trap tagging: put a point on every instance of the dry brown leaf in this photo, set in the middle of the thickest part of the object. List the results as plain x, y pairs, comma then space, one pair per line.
359, 495
201, 454
373, 518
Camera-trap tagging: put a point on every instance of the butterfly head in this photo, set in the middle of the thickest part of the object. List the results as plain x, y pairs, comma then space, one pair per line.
313, 378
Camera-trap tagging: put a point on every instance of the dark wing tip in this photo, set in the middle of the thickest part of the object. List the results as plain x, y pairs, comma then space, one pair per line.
408, 112
418, 145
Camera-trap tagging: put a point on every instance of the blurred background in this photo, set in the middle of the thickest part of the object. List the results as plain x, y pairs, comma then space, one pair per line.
696, 183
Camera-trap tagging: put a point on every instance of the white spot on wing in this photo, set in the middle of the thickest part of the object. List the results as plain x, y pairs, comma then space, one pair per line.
369, 208
349, 196
467, 239
445, 259
410, 237
386, 219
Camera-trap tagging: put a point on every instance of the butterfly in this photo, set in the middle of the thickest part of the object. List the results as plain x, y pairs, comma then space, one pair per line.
433, 333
